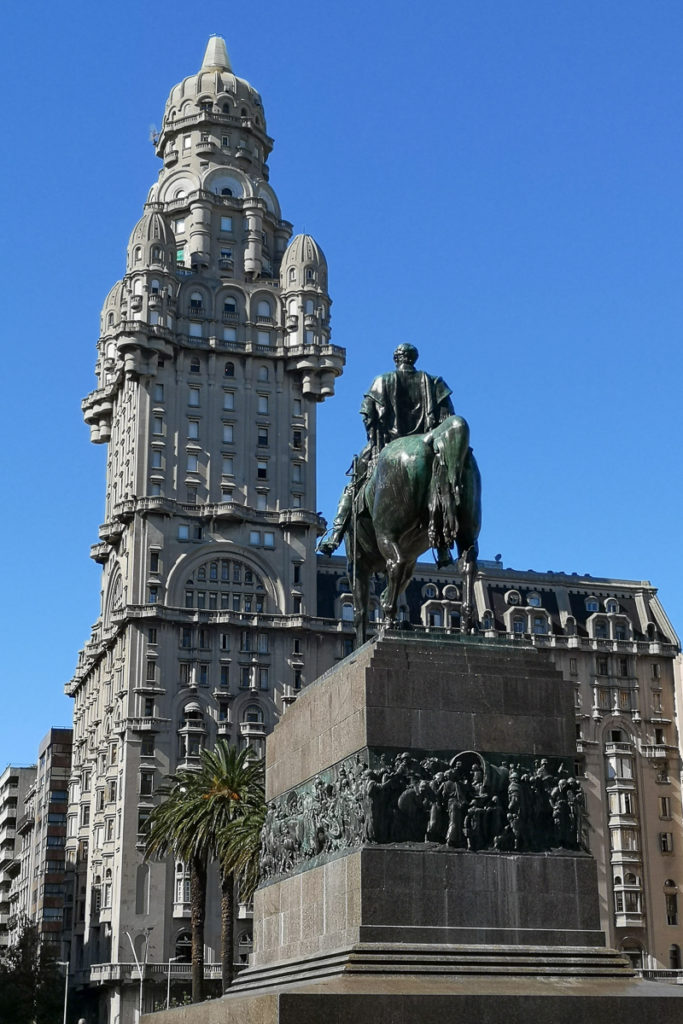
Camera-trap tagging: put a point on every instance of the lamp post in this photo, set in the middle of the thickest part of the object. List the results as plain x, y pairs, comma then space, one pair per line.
139, 966
65, 965
172, 960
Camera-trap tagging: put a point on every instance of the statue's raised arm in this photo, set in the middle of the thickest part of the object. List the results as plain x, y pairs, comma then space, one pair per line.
415, 485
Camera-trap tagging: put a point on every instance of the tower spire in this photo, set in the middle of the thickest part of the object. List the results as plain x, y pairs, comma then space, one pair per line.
216, 55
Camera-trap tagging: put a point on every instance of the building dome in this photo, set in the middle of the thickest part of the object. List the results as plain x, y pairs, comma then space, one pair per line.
303, 265
214, 81
152, 242
302, 250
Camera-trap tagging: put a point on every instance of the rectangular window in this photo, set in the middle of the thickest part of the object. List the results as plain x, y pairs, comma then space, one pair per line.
156, 461
158, 392
193, 430
186, 637
195, 330
263, 678
187, 142
262, 404
263, 338
157, 424
229, 334
268, 539
203, 674
184, 673
179, 226
85, 815
666, 842
143, 815
225, 641
296, 407
204, 639
183, 533
244, 678
671, 908
228, 465
154, 561
623, 667
193, 397
602, 665
226, 223
297, 439
192, 463
111, 791
262, 437
664, 806
226, 494
262, 470
572, 667
228, 399
201, 599
656, 670
148, 709
261, 501
297, 472
228, 433
254, 537
152, 595
224, 677
151, 671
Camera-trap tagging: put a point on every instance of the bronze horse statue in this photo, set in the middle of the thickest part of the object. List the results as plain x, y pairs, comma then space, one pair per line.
423, 492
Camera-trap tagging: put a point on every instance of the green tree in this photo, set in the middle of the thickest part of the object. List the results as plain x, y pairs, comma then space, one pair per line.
200, 806
31, 983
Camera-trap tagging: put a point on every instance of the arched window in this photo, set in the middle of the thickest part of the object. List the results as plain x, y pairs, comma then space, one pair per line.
347, 611
183, 948
110, 320
138, 254
180, 194
263, 373
592, 604
226, 191
156, 254
229, 370
292, 274
429, 591
226, 108
196, 302
310, 274
137, 287
309, 307
263, 308
229, 306
154, 287
611, 607
534, 600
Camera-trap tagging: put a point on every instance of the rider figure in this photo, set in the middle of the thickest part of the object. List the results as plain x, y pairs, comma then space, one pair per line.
405, 401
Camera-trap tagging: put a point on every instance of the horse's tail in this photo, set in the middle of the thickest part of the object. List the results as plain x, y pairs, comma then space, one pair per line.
450, 442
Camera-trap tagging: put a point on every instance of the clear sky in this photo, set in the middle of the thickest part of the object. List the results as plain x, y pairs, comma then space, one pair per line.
498, 181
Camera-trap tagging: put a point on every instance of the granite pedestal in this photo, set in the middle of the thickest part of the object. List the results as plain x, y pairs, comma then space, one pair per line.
355, 930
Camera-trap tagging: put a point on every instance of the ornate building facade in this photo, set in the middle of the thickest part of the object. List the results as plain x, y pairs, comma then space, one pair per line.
214, 352
614, 643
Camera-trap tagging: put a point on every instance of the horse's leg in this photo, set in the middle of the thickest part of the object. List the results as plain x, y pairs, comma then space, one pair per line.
361, 593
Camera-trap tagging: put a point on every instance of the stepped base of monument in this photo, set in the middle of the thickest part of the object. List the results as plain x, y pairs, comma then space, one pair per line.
440, 998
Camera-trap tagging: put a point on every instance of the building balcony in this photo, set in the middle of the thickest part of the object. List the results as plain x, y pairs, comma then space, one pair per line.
266, 320
224, 729
99, 552
657, 751
170, 157
227, 266
231, 318
205, 147
618, 748
26, 822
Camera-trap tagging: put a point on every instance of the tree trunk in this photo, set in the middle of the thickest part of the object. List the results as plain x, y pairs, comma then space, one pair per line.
198, 915
227, 928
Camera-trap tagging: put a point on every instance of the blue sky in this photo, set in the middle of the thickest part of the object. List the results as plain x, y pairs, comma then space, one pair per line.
498, 182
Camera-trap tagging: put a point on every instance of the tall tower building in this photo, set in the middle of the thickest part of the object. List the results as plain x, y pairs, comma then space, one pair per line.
213, 354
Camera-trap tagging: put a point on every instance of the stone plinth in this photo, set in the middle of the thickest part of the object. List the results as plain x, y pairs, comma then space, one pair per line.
349, 927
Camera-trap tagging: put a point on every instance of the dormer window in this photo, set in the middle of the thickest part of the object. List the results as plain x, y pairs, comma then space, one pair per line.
592, 604
534, 600
611, 607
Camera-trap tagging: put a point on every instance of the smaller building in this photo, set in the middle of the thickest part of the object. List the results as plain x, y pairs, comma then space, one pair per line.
38, 891
14, 785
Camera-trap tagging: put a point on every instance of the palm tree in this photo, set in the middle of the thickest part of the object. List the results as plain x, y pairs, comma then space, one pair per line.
168, 830
201, 805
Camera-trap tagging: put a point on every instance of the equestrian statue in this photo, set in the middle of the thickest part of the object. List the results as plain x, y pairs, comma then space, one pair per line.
415, 486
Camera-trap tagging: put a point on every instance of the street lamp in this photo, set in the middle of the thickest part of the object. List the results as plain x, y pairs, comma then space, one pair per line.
172, 960
65, 965
137, 962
